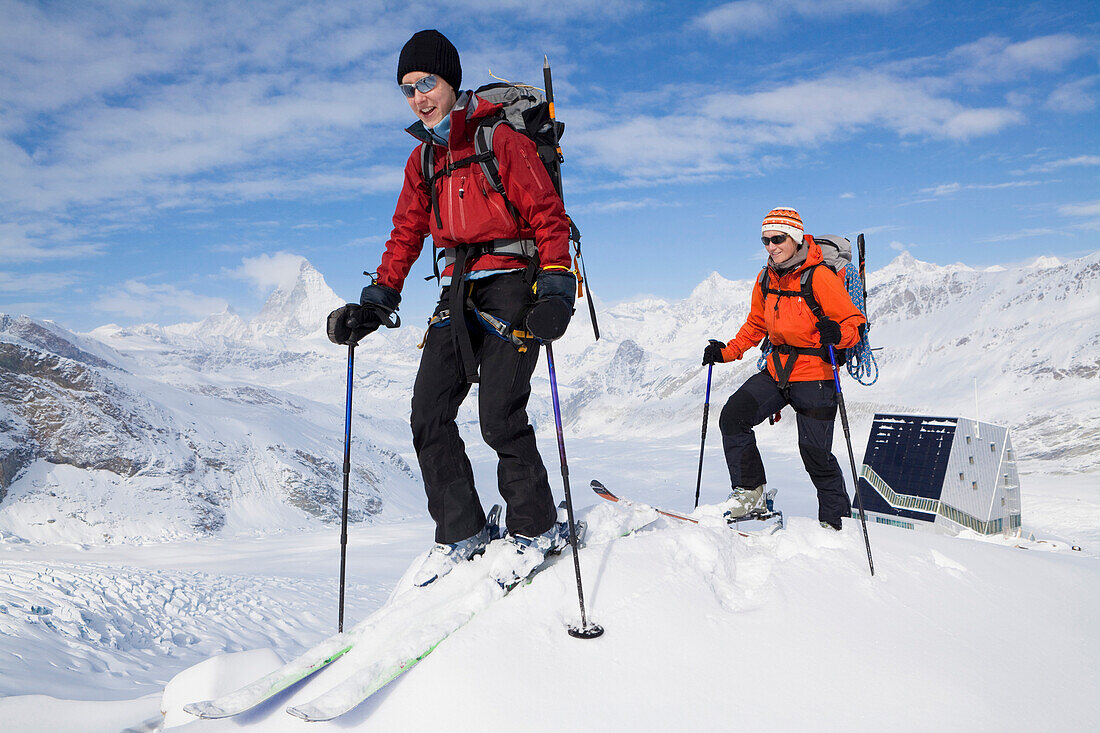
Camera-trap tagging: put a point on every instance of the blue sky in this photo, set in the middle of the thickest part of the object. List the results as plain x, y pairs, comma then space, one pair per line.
162, 160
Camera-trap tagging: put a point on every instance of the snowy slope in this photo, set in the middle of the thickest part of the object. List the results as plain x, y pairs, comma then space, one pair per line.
706, 629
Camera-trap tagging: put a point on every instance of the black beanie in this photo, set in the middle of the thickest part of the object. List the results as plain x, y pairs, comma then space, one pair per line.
431, 52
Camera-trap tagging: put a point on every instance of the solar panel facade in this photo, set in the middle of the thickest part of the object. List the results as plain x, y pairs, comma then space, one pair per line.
910, 453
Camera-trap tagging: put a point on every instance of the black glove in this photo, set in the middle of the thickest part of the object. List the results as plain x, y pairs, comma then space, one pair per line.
713, 353
348, 324
830, 332
380, 298
555, 293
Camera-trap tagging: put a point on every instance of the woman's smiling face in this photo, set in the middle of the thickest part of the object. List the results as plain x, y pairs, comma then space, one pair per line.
782, 251
432, 106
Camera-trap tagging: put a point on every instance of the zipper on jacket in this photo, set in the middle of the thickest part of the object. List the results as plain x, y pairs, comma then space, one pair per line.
461, 206
502, 210
538, 181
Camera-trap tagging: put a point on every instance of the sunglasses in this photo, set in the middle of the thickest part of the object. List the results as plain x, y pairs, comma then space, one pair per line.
424, 86
777, 239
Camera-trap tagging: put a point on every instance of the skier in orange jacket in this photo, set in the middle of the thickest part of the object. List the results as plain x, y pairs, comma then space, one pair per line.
799, 370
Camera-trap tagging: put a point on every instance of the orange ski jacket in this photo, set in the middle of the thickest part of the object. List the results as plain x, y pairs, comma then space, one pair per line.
787, 320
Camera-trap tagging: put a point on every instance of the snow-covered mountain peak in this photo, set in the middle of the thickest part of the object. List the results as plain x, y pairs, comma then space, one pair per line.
298, 309
1045, 262
905, 265
47, 336
716, 290
227, 323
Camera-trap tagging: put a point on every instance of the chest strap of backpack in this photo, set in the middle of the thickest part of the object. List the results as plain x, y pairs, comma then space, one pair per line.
783, 370
431, 175
805, 291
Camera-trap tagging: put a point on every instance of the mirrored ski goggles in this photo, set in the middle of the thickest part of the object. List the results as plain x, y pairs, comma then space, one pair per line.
424, 86
777, 239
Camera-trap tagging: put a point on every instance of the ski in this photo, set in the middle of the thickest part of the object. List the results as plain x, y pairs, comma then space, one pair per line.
417, 608
316, 658
603, 492
269, 685
355, 690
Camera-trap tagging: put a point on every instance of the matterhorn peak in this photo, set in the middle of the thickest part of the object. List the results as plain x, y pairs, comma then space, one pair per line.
298, 308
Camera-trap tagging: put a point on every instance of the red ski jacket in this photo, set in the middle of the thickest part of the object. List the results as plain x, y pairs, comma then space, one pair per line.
788, 320
470, 210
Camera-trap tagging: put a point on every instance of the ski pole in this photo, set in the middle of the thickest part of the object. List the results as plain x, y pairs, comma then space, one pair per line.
574, 232
585, 631
703, 441
851, 456
347, 474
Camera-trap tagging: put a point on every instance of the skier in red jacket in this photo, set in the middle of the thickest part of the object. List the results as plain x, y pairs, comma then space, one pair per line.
799, 370
506, 263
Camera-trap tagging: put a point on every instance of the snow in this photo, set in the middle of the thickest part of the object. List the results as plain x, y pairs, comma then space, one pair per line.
783, 632
117, 603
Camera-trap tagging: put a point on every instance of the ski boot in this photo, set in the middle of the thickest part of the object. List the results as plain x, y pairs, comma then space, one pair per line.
744, 501
443, 558
521, 554
761, 512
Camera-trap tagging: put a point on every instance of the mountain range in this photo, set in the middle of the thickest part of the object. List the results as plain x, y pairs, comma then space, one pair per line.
127, 434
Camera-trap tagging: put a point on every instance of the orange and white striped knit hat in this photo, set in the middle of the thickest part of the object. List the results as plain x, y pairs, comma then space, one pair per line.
784, 220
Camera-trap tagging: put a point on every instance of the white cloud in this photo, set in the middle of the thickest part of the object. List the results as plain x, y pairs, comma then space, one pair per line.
731, 132
44, 240
843, 103
677, 147
621, 205
995, 58
36, 282
947, 189
868, 231
1024, 234
1084, 208
267, 272
756, 17
140, 300
944, 189
1078, 160
744, 17
1074, 96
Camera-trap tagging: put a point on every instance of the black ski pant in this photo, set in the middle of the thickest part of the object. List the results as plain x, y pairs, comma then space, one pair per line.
503, 391
815, 405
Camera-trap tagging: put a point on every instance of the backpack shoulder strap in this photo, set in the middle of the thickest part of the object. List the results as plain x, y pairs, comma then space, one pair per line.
428, 175
807, 287
483, 148
427, 162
